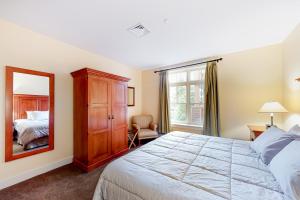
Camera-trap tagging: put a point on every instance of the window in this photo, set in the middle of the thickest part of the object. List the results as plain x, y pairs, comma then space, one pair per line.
186, 96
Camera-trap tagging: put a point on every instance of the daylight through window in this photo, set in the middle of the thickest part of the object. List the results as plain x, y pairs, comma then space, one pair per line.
186, 95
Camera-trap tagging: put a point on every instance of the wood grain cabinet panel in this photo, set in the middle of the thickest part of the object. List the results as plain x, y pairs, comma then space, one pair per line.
119, 110
100, 146
100, 117
99, 90
120, 140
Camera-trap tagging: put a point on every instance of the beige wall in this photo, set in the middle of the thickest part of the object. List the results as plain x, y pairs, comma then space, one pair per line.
246, 79
150, 93
22, 48
291, 71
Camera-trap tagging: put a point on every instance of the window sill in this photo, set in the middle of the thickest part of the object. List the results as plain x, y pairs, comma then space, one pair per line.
186, 125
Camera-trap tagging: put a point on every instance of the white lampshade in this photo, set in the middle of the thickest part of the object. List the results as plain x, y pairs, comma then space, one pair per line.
272, 107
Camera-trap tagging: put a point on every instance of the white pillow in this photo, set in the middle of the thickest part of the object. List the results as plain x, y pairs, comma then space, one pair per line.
40, 115
29, 115
295, 130
285, 166
271, 134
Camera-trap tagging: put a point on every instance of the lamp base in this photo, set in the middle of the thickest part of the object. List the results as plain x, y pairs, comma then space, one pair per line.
269, 126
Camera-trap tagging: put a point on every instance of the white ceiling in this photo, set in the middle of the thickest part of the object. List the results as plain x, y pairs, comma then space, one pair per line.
194, 29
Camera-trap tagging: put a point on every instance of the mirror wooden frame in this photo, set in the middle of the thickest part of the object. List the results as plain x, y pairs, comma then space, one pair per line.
9, 156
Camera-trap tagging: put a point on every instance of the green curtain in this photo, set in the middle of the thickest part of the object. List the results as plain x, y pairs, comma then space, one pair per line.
164, 122
211, 124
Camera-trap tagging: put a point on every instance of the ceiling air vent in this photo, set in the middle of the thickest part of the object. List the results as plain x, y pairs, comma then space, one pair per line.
139, 30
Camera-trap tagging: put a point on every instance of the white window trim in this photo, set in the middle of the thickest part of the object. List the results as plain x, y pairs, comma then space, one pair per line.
187, 83
186, 125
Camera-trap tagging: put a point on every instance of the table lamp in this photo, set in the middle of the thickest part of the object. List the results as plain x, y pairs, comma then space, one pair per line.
272, 107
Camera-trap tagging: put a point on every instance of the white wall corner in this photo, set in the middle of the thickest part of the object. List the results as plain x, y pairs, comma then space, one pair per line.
34, 172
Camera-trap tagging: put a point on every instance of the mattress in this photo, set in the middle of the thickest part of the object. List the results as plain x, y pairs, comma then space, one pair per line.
182, 165
29, 130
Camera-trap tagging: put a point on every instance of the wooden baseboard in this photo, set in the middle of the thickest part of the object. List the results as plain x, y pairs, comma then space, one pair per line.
87, 168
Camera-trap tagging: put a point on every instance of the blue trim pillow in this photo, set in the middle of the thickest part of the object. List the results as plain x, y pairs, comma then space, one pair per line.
285, 167
272, 141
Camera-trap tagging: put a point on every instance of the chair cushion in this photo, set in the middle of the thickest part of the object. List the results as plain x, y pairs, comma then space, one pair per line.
142, 120
147, 133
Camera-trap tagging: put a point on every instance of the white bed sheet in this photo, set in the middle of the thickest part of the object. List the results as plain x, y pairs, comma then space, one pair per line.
28, 130
182, 165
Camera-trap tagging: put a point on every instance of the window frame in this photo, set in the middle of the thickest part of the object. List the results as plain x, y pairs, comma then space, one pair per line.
188, 103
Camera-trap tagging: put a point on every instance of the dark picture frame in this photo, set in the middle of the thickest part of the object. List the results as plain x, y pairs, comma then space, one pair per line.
131, 96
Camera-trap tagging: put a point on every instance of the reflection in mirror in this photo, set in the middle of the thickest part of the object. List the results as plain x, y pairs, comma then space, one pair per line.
30, 112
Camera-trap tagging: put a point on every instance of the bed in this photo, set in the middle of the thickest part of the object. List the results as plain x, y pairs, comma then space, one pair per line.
182, 165
32, 133
31, 120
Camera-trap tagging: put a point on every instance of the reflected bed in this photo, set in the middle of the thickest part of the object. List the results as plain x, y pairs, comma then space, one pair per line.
29, 130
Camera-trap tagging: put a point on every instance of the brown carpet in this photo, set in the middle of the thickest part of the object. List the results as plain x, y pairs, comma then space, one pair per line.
64, 183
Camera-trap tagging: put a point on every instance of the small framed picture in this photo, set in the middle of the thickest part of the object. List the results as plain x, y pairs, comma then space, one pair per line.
131, 96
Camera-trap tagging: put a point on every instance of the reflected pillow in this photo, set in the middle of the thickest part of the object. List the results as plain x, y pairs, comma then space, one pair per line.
285, 167
295, 130
29, 115
40, 115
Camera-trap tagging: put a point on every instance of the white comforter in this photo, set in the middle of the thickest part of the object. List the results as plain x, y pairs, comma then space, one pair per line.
188, 166
28, 130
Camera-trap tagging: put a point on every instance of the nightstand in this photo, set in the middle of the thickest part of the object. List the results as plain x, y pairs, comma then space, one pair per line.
255, 131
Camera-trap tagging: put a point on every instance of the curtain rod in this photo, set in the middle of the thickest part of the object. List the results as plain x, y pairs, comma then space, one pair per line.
163, 70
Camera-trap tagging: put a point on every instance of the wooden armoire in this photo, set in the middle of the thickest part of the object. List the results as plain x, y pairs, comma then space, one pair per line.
100, 117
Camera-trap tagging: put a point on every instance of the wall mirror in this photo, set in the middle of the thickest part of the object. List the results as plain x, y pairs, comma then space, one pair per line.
29, 113
131, 96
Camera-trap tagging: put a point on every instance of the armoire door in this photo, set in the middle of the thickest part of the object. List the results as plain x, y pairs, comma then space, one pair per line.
119, 112
99, 122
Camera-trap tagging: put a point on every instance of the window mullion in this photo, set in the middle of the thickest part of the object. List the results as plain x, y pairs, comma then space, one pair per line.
188, 112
